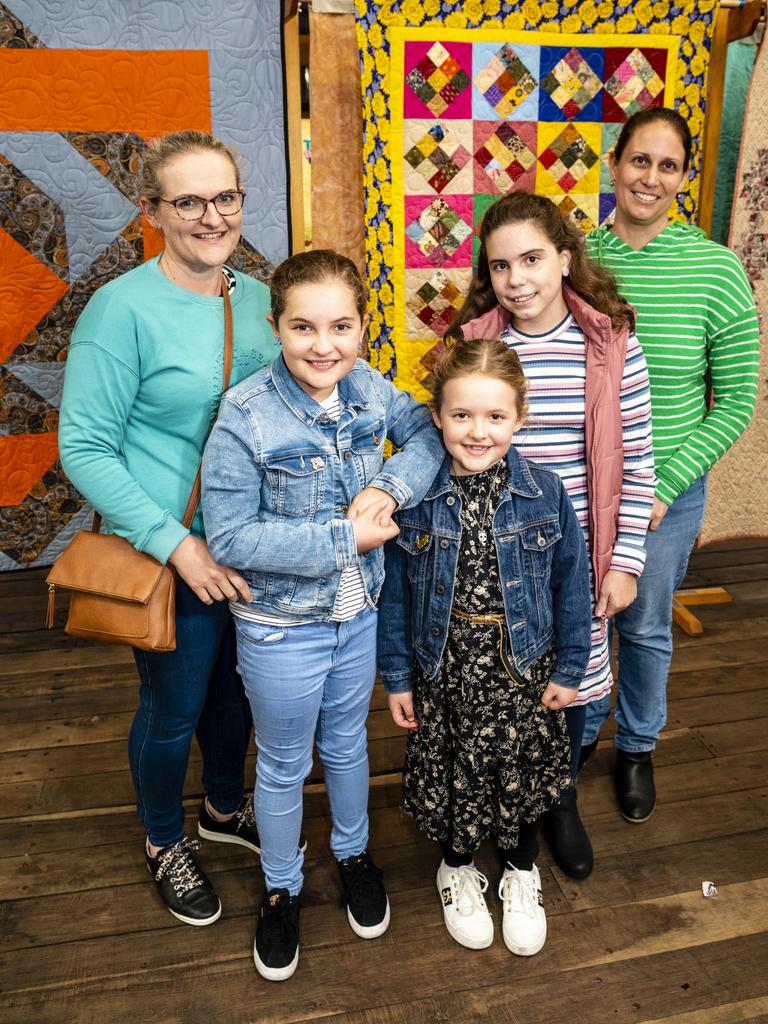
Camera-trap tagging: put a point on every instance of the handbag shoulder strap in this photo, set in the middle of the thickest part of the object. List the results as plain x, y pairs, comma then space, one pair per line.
194, 496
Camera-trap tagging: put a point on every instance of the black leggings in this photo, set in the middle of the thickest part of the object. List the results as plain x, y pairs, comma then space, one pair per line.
521, 856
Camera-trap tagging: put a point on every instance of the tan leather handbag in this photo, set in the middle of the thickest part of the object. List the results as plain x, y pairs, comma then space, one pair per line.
121, 595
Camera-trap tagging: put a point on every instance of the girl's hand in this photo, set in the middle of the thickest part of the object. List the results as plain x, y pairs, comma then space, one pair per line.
373, 527
401, 706
371, 496
618, 591
557, 697
209, 580
658, 510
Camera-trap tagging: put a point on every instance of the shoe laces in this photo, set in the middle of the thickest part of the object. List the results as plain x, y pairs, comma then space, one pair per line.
179, 865
244, 815
518, 891
470, 884
276, 914
360, 876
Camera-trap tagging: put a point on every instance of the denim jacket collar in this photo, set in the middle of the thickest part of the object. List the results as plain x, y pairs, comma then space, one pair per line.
299, 402
519, 478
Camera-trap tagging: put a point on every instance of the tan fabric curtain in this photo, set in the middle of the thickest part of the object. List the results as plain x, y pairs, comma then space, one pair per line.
337, 126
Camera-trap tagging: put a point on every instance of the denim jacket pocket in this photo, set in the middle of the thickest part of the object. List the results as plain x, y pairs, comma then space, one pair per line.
368, 450
296, 483
417, 544
538, 543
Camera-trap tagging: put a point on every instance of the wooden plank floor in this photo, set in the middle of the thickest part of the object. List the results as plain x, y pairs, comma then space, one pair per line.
84, 938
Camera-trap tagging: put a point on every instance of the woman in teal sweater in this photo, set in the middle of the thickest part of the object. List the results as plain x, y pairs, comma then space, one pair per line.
142, 386
697, 323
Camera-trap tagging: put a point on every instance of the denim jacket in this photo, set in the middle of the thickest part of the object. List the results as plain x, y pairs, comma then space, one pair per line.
279, 475
543, 569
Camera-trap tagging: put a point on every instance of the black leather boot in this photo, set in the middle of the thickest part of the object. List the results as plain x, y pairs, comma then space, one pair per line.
567, 836
634, 784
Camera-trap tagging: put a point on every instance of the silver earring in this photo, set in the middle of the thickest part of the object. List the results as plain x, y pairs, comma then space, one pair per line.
566, 271
613, 183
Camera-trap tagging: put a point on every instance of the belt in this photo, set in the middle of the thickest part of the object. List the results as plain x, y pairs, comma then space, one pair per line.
499, 620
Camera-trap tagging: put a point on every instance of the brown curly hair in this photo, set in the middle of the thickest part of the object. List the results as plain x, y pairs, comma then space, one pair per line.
592, 282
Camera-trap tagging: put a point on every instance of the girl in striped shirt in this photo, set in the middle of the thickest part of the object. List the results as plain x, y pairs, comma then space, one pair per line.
698, 325
589, 421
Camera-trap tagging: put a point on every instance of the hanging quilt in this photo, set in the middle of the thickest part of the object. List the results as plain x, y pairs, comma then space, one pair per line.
465, 101
83, 90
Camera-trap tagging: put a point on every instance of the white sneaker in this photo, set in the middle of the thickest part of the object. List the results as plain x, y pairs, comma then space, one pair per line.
466, 915
524, 924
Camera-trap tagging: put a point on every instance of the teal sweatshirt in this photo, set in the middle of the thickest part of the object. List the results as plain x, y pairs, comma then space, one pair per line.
141, 390
695, 314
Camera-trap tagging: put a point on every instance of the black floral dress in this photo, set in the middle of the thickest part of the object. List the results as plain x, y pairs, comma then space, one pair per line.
487, 756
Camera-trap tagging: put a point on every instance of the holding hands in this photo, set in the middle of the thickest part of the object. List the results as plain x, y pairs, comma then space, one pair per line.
371, 514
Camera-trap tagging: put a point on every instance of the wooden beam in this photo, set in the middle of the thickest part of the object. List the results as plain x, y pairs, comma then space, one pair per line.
293, 105
730, 24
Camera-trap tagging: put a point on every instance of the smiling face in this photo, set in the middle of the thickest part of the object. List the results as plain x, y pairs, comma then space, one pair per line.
478, 416
321, 331
647, 178
195, 248
526, 272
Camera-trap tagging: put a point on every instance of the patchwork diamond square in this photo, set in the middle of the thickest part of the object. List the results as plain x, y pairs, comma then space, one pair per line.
436, 302
568, 157
576, 213
571, 84
505, 81
438, 232
634, 85
438, 157
504, 157
437, 79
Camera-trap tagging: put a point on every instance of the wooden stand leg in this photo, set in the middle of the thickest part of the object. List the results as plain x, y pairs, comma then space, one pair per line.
686, 620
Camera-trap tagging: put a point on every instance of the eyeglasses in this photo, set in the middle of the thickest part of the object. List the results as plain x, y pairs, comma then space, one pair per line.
194, 207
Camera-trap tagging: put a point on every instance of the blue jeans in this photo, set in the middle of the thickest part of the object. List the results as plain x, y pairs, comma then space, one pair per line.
306, 684
195, 688
645, 629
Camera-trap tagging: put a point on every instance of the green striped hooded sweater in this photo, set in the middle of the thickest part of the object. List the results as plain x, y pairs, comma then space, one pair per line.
695, 312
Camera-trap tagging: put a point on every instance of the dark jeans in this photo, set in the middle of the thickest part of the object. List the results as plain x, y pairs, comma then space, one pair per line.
195, 688
575, 717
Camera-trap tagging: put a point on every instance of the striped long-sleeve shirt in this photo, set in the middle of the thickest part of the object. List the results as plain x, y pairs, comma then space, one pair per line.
553, 436
695, 313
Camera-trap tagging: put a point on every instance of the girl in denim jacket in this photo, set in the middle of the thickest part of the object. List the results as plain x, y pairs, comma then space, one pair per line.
295, 495
484, 637
590, 422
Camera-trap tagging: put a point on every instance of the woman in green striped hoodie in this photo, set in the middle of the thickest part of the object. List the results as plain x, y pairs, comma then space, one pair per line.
697, 323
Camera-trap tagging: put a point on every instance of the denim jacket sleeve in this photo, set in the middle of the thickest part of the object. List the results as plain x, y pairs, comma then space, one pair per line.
571, 599
237, 535
409, 473
394, 651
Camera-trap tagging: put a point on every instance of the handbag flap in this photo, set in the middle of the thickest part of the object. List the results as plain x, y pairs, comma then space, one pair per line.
99, 563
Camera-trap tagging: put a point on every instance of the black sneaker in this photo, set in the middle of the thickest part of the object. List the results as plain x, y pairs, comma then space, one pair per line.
276, 947
364, 896
183, 887
239, 829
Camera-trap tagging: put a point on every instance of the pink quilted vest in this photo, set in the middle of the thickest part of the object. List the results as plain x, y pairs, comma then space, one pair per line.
606, 353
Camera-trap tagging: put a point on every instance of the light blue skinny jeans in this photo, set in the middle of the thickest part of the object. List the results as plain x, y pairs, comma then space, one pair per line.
308, 684
645, 630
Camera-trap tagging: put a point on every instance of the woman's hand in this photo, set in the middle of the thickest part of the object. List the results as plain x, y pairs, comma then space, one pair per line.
557, 697
658, 511
209, 580
618, 591
363, 500
401, 707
